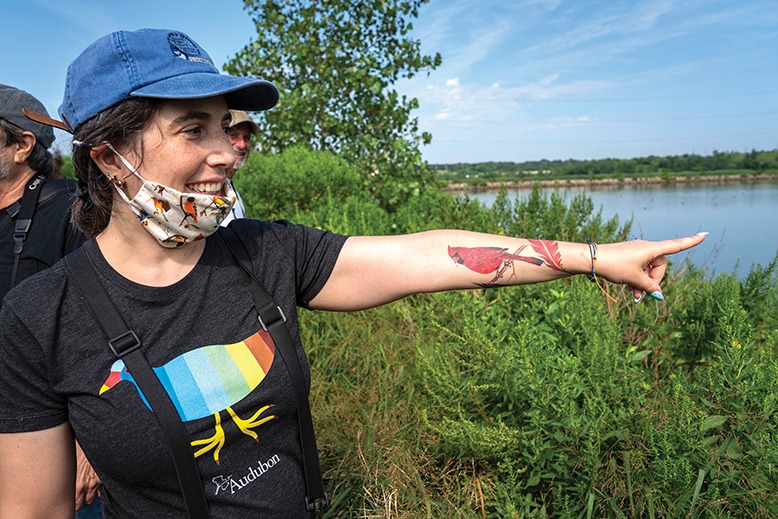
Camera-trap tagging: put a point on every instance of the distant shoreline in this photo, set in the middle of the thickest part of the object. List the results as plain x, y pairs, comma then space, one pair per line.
462, 187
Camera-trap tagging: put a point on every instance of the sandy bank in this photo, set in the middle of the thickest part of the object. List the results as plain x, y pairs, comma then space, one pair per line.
613, 182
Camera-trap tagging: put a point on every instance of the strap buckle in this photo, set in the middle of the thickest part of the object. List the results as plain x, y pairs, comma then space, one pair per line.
20, 234
318, 505
14, 209
124, 344
280, 315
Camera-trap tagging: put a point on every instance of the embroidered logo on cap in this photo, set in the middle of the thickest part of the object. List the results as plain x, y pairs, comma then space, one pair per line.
185, 48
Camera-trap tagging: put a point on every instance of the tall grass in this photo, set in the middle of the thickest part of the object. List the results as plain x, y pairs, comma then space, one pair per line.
544, 400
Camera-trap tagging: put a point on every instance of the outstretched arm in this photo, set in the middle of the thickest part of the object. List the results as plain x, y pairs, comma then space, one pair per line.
373, 270
37, 474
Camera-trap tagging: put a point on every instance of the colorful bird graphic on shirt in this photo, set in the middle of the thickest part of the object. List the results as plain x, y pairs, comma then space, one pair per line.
211, 379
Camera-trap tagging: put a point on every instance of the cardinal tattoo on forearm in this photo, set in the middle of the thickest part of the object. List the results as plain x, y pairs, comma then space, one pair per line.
497, 260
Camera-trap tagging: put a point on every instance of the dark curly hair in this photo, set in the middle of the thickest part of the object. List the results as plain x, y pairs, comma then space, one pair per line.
120, 125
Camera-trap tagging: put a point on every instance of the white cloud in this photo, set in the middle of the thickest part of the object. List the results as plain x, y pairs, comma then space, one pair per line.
567, 122
532, 71
548, 5
466, 104
549, 88
647, 15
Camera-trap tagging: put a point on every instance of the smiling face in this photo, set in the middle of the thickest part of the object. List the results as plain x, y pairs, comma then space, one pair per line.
182, 153
184, 147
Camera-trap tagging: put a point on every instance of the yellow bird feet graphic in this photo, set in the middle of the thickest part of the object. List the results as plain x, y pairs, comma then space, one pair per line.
214, 442
247, 425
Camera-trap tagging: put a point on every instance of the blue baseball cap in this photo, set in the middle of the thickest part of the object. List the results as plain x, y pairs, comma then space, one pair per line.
152, 63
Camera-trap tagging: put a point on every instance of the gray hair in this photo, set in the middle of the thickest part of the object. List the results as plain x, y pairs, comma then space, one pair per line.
40, 159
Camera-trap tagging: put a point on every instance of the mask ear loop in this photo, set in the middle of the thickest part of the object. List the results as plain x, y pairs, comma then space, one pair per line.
119, 182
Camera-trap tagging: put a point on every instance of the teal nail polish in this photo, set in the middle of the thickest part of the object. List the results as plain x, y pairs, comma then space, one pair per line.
704, 233
639, 299
657, 295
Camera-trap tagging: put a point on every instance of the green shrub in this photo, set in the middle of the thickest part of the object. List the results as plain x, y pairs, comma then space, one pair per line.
536, 401
294, 181
561, 417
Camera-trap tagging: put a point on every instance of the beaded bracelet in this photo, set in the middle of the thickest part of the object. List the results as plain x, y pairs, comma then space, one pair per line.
592, 276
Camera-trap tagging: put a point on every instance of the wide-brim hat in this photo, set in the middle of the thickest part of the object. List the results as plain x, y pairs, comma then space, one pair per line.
239, 117
157, 63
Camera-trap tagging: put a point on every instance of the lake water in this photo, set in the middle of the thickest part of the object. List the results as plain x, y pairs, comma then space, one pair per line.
742, 219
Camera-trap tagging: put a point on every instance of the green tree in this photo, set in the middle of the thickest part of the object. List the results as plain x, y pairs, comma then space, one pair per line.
335, 62
63, 166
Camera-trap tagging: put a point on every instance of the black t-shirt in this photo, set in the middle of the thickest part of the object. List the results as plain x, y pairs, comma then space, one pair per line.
202, 336
50, 237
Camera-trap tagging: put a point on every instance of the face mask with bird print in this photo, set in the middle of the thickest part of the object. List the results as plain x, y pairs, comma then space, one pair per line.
175, 218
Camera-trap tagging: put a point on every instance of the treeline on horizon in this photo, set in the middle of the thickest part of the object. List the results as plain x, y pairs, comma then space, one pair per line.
717, 162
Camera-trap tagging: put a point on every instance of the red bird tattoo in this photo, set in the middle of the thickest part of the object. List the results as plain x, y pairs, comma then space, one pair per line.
487, 260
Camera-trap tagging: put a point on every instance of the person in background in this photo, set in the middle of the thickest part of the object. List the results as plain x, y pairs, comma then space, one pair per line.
240, 131
35, 228
152, 150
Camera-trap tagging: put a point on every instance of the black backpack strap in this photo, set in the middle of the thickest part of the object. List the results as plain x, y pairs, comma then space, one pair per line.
126, 345
273, 321
9, 214
24, 219
56, 186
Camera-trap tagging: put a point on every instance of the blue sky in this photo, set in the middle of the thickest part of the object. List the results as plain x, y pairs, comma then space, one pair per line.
520, 80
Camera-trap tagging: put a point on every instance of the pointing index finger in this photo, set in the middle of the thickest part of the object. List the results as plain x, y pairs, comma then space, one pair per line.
682, 244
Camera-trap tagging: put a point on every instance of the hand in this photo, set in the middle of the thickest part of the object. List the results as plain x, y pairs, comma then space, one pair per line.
640, 264
87, 482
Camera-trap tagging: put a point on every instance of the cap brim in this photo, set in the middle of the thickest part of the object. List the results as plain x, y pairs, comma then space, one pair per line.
240, 93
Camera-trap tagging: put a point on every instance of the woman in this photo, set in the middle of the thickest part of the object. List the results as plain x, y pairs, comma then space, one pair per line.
148, 112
